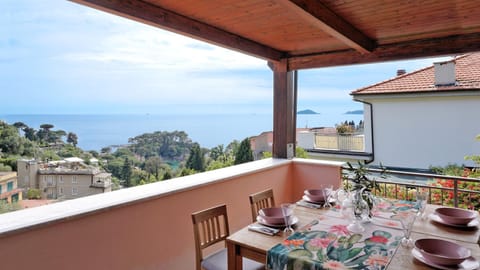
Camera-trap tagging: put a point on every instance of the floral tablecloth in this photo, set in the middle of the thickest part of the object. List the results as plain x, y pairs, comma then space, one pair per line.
327, 243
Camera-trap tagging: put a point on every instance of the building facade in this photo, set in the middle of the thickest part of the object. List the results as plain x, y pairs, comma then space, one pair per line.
9, 191
424, 118
65, 179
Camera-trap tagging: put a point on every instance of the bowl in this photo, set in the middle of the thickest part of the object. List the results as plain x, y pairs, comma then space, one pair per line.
455, 215
272, 215
315, 195
442, 252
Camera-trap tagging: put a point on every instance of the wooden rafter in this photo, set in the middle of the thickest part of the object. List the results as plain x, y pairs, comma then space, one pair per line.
412, 49
320, 15
162, 18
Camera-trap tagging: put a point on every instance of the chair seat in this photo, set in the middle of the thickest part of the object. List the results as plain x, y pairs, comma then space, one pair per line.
218, 261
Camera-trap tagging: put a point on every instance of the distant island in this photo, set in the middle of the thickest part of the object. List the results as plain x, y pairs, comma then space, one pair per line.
355, 112
307, 112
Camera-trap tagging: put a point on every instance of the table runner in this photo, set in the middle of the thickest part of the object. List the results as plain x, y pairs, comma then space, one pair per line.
326, 243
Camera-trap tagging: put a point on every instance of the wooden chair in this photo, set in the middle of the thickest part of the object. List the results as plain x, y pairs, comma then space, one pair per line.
262, 199
210, 226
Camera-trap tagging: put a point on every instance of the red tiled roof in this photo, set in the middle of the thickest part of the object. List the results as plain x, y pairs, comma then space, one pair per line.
467, 68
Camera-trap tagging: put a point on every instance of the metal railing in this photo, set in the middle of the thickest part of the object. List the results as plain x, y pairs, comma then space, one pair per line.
455, 191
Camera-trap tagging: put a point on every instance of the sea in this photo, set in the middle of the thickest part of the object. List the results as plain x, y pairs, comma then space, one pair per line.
209, 130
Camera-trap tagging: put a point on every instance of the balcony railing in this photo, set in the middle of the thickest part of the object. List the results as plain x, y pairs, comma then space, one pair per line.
455, 191
344, 142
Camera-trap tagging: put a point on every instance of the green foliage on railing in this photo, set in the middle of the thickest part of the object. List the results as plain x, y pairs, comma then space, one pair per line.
466, 198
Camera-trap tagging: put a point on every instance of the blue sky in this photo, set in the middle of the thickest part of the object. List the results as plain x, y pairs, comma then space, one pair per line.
58, 57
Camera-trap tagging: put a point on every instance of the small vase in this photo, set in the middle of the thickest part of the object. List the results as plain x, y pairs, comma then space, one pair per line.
360, 206
359, 211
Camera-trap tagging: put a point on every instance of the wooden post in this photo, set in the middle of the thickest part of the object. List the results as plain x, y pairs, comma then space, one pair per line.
284, 110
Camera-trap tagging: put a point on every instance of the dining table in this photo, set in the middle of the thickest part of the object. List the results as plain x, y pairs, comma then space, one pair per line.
320, 221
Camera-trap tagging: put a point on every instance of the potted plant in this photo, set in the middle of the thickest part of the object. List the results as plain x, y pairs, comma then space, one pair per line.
359, 180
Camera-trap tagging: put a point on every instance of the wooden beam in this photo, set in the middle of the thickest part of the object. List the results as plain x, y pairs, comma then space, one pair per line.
159, 17
320, 15
456, 44
284, 115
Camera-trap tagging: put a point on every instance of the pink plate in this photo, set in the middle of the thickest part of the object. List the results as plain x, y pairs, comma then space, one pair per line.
293, 221
272, 215
469, 264
472, 224
455, 215
308, 199
442, 252
315, 195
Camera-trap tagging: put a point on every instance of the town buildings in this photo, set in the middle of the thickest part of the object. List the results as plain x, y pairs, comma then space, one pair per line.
66, 179
9, 192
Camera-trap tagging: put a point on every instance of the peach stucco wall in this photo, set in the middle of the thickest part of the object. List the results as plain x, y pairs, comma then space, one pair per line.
154, 233
309, 174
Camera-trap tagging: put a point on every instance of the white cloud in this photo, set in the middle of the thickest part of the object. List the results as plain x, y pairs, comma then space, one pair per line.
133, 43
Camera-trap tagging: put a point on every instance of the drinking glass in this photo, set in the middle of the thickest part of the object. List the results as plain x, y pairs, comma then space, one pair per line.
287, 211
407, 220
327, 195
359, 212
422, 195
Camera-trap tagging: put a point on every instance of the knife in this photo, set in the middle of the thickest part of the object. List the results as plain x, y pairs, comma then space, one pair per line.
263, 229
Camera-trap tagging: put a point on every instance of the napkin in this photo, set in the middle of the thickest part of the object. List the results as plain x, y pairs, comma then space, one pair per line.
309, 205
262, 229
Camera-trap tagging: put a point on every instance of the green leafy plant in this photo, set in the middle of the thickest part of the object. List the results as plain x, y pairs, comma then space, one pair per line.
359, 178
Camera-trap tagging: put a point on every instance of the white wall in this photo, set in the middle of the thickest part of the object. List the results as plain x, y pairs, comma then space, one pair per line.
424, 132
306, 139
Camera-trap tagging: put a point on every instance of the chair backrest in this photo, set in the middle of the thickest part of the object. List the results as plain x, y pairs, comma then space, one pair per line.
262, 199
210, 226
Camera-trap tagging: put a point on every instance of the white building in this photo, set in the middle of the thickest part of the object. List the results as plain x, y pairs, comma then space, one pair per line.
425, 118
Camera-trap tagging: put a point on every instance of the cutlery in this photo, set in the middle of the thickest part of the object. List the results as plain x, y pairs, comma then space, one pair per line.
263, 229
308, 205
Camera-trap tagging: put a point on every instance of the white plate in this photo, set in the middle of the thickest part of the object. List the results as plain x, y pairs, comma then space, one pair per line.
260, 220
472, 224
469, 264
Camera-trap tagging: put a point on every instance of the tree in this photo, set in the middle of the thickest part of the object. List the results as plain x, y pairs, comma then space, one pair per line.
5, 168
300, 152
106, 150
72, 138
244, 153
167, 175
232, 148
153, 165
217, 152
34, 194
44, 133
56, 136
20, 125
476, 159
195, 160
30, 133
127, 172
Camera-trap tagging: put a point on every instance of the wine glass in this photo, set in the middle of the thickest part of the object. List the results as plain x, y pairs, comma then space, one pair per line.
407, 220
287, 211
327, 195
359, 211
422, 195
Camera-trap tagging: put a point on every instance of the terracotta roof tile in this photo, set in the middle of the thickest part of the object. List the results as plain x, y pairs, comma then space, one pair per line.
467, 68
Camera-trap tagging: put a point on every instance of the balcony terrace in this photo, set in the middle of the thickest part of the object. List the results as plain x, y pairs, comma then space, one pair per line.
149, 226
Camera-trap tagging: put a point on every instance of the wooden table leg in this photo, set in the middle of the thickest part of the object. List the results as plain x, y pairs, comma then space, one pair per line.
234, 257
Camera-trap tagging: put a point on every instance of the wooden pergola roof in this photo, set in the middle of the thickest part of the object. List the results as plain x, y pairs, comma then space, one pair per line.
302, 34
318, 33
